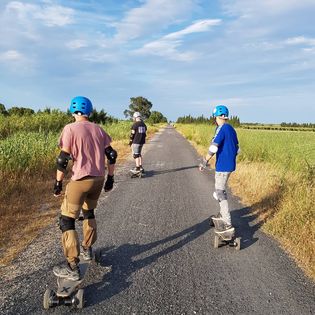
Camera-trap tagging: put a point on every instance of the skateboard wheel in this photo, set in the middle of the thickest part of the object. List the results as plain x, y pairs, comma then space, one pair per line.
79, 299
238, 243
98, 255
216, 241
48, 299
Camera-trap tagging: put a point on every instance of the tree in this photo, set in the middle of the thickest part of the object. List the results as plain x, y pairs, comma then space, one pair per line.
20, 111
139, 104
101, 117
3, 111
156, 117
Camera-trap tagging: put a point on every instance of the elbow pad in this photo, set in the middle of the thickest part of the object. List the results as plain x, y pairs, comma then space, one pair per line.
213, 149
111, 155
62, 161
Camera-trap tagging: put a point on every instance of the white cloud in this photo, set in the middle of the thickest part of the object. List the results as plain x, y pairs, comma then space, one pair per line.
168, 44
49, 15
77, 44
153, 15
301, 40
250, 8
11, 55
197, 27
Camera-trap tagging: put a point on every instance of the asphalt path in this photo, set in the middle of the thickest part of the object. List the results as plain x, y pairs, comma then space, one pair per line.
157, 250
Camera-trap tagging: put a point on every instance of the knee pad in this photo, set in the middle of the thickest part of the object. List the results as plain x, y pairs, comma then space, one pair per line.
221, 195
66, 223
135, 156
88, 214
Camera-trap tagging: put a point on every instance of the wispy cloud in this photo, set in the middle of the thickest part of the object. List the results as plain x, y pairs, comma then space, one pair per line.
77, 44
168, 44
11, 55
49, 14
249, 8
300, 40
152, 16
197, 27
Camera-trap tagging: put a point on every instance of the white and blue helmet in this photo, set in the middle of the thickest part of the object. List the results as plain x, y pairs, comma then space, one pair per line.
221, 111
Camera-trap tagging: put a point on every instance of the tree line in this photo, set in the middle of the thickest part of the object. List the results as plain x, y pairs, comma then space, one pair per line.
303, 125
137, 104
99, 117
234, 120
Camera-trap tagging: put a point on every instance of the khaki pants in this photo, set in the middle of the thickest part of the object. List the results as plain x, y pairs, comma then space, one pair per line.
80, 194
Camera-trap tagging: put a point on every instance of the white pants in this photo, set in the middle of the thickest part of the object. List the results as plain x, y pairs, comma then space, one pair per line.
221, 179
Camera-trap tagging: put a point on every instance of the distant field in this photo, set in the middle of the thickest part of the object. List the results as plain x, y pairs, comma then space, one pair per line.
277, 127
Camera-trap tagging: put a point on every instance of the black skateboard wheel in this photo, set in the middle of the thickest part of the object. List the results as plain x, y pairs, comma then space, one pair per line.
98, 255
79, 299
48, 299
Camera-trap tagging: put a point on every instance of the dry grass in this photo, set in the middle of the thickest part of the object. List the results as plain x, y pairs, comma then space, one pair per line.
285, 204
24, 212
28, 205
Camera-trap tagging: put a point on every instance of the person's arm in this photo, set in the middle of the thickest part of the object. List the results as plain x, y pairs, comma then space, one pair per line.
132, 135
111, 156
62, 163
213, 148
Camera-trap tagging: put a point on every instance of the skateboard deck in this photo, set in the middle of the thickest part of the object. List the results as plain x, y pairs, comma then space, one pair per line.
225, 238
136, 174
68, 292
66, 287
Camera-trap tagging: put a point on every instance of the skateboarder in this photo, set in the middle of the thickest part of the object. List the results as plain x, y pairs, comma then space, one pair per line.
225, 145
86, 144
137, 140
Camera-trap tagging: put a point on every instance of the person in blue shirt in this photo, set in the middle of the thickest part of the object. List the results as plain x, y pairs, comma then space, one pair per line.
225, 146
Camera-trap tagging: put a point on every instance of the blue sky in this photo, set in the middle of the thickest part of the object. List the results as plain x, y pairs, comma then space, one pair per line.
186, 56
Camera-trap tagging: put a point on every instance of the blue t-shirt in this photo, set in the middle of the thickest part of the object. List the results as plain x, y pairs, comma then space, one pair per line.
225, 139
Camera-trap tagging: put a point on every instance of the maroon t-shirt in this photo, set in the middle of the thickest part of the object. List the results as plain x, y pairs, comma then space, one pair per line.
87, 142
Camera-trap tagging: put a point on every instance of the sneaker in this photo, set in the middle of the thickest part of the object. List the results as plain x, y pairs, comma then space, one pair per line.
135, 170
86, 253
141, 169
67, 271
227, 228
218, 222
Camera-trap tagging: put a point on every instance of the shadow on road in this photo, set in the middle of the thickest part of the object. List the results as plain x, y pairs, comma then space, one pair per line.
123, 264
151, 173
243, 221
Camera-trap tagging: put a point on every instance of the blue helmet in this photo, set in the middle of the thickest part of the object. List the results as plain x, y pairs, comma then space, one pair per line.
220, 111
81, 104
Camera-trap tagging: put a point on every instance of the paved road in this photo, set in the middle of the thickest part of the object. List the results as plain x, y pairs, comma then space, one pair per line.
158, 255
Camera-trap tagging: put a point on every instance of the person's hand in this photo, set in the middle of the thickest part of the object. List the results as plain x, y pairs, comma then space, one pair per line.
203, 164
57, 188
109, 183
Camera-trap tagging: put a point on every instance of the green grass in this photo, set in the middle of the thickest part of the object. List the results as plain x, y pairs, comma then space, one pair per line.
28, 152
42, 122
